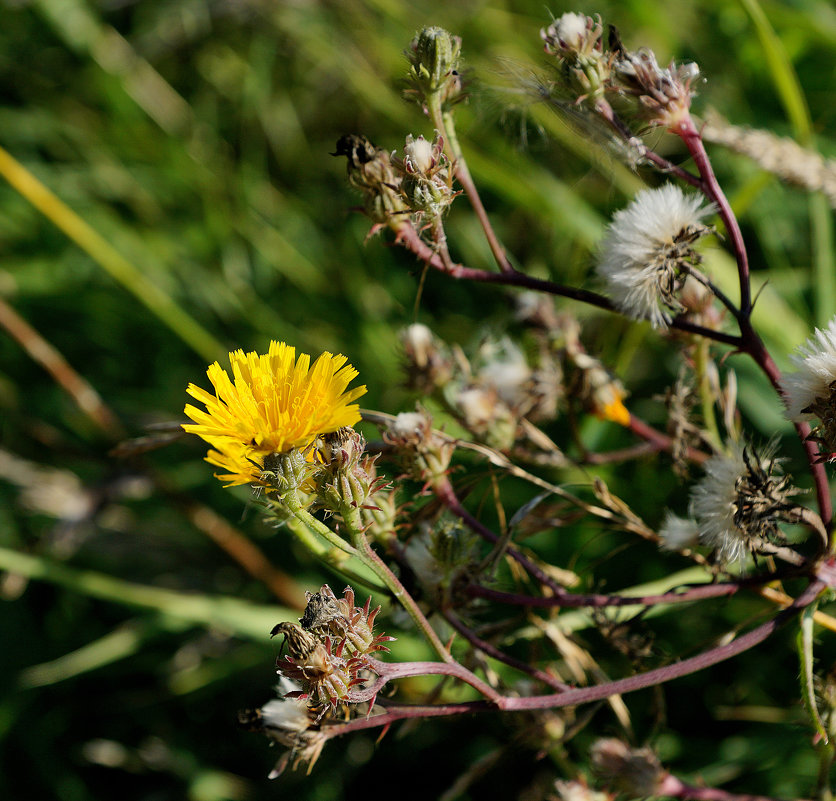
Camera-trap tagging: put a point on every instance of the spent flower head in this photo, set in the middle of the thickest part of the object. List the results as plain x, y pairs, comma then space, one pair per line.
740, 501
370, 170
426, 178
648, 250
663, 93
274, 403
290, 722
811, 390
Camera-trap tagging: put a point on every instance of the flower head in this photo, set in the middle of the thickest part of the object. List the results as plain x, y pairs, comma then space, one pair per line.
811, 390
664, 94
272, 404
646, 250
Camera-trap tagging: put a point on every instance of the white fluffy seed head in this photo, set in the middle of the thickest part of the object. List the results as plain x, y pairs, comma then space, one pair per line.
638, 240
713, 505
815, 361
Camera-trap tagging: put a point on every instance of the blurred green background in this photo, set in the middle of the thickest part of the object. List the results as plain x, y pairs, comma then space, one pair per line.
193, 138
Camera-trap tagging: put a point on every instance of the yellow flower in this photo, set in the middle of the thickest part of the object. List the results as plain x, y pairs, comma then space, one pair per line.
275, 403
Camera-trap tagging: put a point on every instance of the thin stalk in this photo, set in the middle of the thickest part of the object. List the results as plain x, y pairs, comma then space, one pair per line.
407, 236
353, 523
493, 652
692, 138
701, 361
582, 695
444, 122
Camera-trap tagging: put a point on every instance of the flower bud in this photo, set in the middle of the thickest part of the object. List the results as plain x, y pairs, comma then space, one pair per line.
346, 478
434, 64
370, 170
575, 40
426, 180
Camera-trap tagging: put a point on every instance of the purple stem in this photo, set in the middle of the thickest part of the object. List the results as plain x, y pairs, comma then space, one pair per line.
500, 656
572, 697
692, 138
409, 238
570, 600
750, 342
447, 495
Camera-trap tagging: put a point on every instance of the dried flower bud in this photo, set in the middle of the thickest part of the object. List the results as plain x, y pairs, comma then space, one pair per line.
635, 771
425, 455
370, 170
347, 477
434, 65
664, 95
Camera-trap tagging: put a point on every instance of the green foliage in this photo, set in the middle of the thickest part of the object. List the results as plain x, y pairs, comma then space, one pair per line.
193, 138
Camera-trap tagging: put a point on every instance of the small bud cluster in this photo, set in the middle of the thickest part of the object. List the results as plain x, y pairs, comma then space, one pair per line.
328, 652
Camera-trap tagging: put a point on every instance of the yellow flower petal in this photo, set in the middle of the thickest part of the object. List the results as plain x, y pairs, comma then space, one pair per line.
273, 403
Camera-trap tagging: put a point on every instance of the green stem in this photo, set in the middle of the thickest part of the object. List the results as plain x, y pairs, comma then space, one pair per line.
354, 525
701, 358
331, 557
443, 121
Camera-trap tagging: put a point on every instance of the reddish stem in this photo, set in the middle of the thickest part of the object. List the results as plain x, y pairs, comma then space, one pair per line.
571, 600
575, 696
447, 495
409, 238
500, 656
692, 138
